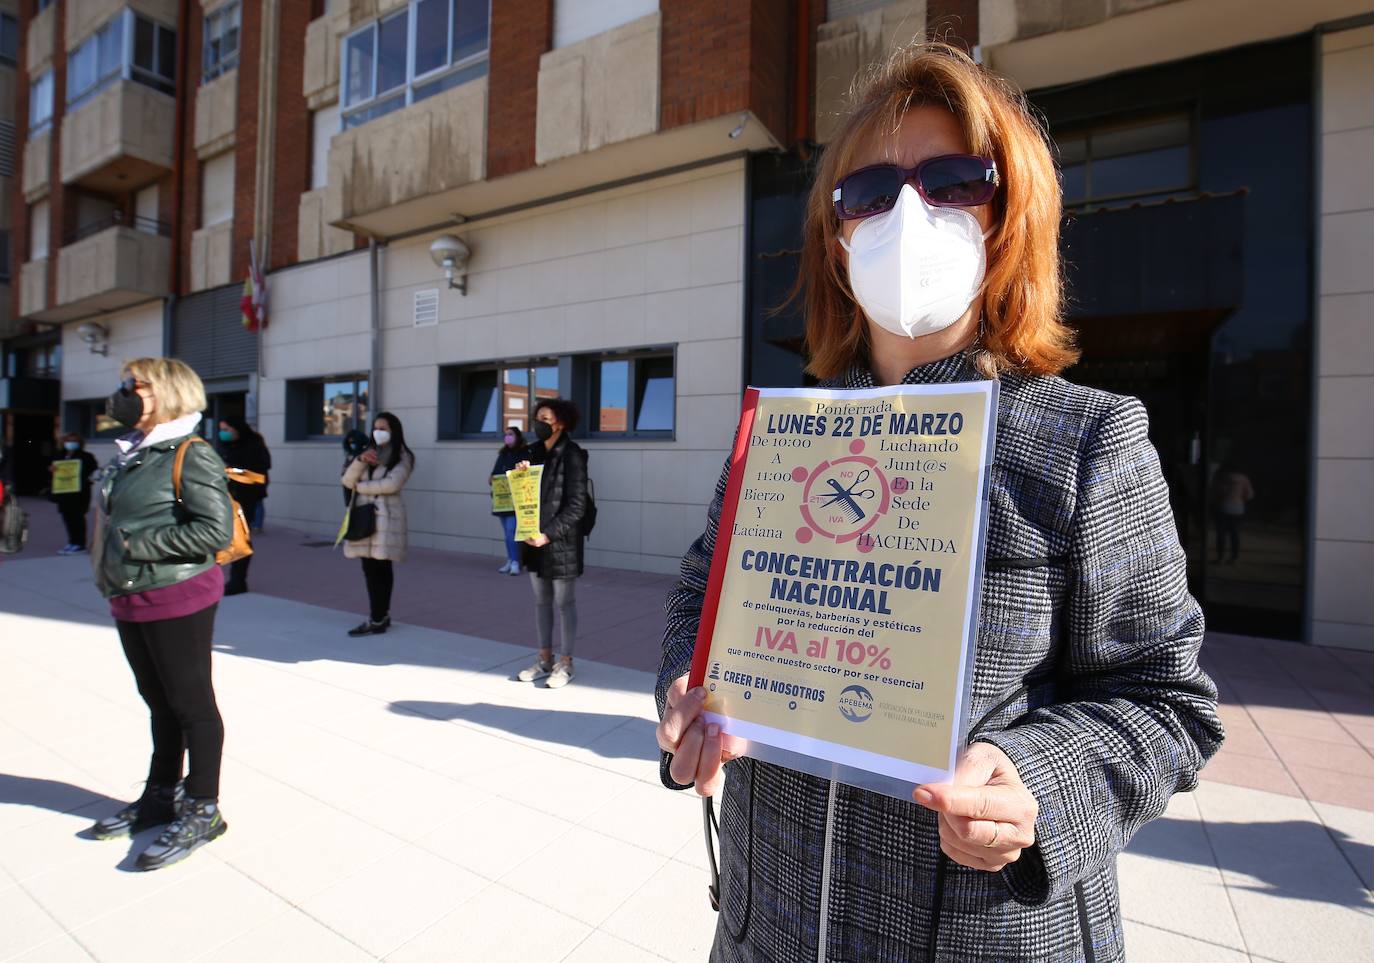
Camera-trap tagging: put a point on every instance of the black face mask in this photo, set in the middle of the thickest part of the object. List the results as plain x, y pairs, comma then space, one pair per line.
543, 430
125, 406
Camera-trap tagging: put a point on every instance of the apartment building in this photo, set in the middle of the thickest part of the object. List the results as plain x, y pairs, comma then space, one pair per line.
622, 182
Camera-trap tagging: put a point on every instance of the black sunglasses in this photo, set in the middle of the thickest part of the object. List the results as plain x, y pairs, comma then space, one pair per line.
950, 180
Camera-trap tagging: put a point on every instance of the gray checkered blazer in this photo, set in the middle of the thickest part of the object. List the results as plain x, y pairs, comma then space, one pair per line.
1086, 676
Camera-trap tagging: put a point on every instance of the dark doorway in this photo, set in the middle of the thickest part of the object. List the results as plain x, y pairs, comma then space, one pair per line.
34, 447
228, 404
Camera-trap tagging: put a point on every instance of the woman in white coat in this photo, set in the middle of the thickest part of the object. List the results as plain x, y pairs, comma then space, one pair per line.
377, 477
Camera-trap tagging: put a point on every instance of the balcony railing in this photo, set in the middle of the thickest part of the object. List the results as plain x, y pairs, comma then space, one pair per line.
147, 225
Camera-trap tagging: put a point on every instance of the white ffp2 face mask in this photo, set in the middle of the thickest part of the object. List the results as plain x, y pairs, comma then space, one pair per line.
916, 269
381, 436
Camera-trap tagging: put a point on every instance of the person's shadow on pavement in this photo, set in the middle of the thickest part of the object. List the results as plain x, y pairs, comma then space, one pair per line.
634, 737
63, 797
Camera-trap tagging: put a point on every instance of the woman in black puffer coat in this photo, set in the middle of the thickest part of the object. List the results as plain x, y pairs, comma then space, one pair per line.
554, 557
242, 447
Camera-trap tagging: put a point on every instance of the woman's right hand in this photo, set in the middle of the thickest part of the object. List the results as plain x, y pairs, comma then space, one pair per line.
696, 747
522, 466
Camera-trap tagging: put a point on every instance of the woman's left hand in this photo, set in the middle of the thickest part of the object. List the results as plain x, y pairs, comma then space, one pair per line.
987, 815
539, 541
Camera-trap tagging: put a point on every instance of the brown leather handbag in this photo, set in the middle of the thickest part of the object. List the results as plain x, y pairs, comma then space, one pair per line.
241, 545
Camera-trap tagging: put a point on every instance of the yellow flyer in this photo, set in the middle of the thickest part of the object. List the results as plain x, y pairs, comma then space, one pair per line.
837, 635
500, 494
524, 494
66, 476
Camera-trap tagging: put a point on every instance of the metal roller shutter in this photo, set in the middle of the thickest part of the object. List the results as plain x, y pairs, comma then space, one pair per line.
208, 334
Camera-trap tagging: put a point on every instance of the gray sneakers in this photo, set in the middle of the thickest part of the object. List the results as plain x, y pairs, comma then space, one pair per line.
535, 672
560, 676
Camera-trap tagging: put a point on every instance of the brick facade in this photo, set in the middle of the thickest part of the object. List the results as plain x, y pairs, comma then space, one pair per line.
293, 136
185, 209
521, 32
246, 138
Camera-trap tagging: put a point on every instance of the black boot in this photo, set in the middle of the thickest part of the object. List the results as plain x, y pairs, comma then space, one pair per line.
198, 822
371, 628
156, 807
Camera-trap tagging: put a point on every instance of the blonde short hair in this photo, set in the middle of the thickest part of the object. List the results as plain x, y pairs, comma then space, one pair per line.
1023, 327
177, 388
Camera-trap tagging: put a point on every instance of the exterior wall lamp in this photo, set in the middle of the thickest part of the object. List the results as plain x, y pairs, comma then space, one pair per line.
97, 336
452, 254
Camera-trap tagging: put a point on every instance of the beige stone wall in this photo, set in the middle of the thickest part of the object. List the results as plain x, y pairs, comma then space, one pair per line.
602, 90
124, 120
212, 255
1002, 21
33, 287
39, 40
86, 16
115, 265
1343, 605
134, 333
314, 237
348, 14
847, 48
321, 76
432, 146
37, 166
657, 262
217, 114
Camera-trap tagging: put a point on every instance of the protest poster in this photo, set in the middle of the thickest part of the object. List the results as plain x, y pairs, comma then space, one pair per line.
837, 635
500, 494
524, 493
66, 476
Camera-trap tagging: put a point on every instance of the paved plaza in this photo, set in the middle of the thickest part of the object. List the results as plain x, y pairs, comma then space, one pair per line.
401, 798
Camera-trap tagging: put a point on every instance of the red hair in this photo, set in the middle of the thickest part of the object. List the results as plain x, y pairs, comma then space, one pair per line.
1022, 328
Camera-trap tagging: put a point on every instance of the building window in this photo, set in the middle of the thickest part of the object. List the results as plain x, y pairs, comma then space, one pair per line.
428, 47
88, 419
41, 5
1152, 157
40, 103
575, 20
9, 40
483, 400
326, 407
38, 231
324, 124
632, 394
217, 190
129, 47
221, 51
146, 210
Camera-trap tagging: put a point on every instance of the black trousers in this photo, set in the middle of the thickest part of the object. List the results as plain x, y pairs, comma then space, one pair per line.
381, 579
74, 518
171, 663
238, 573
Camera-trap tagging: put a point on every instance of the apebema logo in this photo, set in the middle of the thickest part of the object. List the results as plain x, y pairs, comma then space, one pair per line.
856, 703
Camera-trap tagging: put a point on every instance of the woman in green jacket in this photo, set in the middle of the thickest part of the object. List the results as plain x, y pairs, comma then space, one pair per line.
154, 559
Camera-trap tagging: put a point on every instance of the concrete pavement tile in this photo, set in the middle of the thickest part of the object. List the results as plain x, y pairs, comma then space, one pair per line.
51, 842
1284, 927
629, 750
298, 865
1353, 830
1363, 733
394, 899
1297, 752
669, 915
63, 949
498, 925
421, 803
1307, 723
90, 889
649, 817
1181, 897
178, 922
560, 787
605, 948
41, 782
26, 923
1150, 944
477, 753
1178, 836
494, 837
693, 853
289, 937
1236, 770
560, 872
1343, 789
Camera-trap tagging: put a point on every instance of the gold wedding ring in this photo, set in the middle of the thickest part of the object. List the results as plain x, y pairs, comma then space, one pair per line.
996, 831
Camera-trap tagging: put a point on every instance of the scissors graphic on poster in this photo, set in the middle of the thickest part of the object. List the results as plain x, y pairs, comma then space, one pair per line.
848, 498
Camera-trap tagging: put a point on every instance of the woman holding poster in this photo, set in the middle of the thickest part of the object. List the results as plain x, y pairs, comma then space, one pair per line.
71, 489
931, 259
510, 454
553, 556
